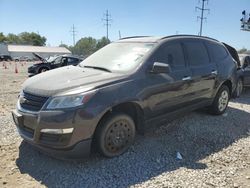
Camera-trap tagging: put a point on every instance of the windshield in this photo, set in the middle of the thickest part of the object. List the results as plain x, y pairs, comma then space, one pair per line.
51, 58
118, 57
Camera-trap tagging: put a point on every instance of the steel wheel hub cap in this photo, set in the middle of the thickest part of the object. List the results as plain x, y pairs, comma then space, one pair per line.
118, 136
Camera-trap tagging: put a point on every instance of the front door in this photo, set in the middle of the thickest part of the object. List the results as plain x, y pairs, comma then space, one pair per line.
168, 92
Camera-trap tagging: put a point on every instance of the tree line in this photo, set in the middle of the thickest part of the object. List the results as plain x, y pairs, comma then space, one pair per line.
243, 51
24, 38
85, 46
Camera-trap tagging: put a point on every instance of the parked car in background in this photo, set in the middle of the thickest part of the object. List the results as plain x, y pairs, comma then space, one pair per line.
23, 58
245, 64
121, 89
240, 71
52, 63
5, 58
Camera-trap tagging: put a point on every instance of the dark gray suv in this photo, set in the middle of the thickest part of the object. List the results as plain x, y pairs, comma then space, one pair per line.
122, 89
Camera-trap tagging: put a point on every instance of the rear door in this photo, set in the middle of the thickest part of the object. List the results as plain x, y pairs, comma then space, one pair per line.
204, 70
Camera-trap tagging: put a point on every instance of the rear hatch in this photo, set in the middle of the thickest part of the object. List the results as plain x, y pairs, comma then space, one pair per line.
234, 54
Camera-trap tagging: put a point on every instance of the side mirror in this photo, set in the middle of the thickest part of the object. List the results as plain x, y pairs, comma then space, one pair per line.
160, 68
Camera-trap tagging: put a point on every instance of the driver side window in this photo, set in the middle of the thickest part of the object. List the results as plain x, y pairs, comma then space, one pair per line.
172, 54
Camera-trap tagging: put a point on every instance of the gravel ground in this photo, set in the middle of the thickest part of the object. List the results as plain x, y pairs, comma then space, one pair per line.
214, 149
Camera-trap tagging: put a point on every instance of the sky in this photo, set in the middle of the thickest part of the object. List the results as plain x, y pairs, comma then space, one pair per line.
54, 19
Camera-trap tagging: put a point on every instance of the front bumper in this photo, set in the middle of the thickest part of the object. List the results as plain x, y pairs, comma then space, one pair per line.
70, 145
32, 69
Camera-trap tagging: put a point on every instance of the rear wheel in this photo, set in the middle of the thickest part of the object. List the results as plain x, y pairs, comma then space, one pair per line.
220, 102
43, 69
115, 135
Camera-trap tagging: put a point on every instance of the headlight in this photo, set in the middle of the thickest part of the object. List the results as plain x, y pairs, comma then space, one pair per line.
69, 101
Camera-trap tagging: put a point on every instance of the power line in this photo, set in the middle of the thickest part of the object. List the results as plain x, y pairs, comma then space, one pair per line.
107, 19
73, 31
202, 18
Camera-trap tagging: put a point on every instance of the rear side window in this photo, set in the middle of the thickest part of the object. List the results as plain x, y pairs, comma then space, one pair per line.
218, 51
197, 53
172, 54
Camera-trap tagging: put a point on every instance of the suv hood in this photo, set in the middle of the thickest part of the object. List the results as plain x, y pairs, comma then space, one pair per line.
67, 78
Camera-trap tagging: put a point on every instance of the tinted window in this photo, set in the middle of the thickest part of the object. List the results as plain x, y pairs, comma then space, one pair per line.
218, 51
171, 54
197, 53
72, 61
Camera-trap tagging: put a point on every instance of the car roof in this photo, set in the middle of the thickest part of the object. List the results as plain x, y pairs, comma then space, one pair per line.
151, 39
67, 55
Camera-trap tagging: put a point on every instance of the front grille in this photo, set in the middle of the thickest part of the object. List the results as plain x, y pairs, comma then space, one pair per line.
32, 102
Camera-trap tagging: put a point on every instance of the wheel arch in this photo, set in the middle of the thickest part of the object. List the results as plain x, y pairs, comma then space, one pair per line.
229, 84
133, 109
42, 67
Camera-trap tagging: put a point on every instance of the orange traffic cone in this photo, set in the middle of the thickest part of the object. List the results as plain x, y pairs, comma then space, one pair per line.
16, 70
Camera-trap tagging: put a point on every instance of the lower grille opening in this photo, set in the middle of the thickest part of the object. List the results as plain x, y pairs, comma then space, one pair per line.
55, 139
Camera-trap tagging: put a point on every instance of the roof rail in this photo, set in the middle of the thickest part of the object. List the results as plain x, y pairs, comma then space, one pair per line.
133, 37
190, 36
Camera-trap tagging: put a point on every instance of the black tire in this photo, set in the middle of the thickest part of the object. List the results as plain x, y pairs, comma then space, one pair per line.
43, 69
239, 88
220, 102
115, 134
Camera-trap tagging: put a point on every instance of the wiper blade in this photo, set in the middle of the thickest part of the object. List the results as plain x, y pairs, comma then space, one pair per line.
99, 68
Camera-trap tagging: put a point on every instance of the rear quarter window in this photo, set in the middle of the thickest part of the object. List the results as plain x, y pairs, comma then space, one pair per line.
217, 51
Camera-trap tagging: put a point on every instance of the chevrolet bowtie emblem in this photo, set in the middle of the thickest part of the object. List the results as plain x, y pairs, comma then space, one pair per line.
22, 100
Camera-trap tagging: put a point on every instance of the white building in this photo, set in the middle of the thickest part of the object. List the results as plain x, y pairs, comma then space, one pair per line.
25, 50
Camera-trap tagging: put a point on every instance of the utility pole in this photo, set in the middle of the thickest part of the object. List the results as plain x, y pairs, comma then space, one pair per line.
202, 18
120, 36
107, 19
73, 31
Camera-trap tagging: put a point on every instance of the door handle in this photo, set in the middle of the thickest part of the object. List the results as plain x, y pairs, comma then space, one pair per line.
186, 78
214, 72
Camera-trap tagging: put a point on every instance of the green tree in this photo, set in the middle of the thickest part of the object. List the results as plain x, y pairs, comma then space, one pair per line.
85, 46
64, 45
2, 37
13, 39
242, 51
102, 42
32, 39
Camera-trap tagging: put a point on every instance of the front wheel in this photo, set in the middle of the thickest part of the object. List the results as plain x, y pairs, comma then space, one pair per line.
220, 102
43, 70
115, 135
